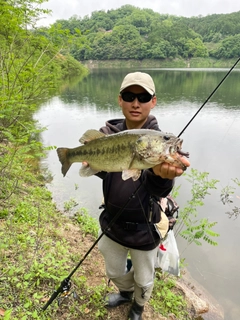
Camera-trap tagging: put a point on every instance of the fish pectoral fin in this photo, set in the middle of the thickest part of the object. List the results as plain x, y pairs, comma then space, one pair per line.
91, 134
131, 173
87, 171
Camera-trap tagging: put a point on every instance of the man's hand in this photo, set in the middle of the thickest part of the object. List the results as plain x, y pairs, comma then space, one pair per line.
85, 164
168, 171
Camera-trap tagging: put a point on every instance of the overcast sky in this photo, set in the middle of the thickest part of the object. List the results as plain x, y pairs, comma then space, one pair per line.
64, 9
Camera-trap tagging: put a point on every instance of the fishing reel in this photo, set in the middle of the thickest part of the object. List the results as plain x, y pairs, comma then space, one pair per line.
61, 293
66, 292
66, 287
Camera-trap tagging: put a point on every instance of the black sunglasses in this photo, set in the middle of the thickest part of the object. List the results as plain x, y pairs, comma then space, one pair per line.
142, 97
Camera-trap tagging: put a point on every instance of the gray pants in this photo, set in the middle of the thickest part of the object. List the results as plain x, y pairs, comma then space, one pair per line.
140, 278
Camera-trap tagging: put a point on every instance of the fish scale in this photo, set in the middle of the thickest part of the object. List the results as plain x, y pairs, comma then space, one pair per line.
129, 151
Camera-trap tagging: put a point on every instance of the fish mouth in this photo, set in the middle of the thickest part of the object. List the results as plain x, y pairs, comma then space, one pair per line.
182, 153
179, 149
176, 153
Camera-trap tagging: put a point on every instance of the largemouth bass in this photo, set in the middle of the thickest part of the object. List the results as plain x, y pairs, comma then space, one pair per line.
128, 151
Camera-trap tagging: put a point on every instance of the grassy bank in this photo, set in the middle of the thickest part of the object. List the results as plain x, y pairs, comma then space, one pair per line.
40, 246
167, 63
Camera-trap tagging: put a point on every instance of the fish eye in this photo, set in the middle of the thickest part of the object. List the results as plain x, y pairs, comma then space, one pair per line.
166, 138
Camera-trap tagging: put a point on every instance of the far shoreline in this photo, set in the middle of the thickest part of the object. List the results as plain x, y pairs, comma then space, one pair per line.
162, 63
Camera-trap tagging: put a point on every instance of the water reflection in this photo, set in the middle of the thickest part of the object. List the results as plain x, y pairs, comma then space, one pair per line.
102, 86
212, 140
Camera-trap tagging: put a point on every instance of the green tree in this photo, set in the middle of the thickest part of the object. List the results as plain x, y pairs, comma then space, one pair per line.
195, 48
101, 21
139, 18
229, 48
155, 36
215, 25
123, 42
31, 67
177, 35
162, 50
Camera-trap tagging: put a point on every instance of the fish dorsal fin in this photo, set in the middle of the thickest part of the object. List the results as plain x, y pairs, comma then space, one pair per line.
91, 134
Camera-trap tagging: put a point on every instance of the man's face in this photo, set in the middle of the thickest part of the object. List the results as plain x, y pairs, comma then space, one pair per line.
136, 112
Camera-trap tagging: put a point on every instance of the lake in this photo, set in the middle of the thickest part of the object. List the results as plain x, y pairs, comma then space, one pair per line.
212, 139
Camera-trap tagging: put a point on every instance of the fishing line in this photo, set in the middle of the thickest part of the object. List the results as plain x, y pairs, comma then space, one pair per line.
209, 97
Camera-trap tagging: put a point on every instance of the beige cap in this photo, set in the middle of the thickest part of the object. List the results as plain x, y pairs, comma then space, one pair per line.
141, 79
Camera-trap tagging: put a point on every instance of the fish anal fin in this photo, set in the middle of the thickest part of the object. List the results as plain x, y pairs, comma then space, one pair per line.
87, 171
91, 134
131, 173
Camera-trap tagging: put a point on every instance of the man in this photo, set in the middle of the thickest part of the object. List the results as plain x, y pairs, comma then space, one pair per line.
134, 233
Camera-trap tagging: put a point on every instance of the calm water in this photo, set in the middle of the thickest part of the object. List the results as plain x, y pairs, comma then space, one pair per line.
212, 140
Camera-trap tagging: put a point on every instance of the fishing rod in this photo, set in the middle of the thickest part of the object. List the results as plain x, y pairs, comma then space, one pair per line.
209, 97
65, 285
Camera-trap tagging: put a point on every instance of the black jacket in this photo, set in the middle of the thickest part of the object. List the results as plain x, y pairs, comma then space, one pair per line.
135, 227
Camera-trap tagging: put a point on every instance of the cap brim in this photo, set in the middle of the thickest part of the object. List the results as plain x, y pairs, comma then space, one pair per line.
137, 84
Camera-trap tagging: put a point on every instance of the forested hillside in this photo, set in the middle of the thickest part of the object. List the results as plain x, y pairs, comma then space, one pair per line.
133, 33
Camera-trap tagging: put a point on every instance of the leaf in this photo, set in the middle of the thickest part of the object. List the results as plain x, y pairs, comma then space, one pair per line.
198, 243
212, 233
199, 234
7, 314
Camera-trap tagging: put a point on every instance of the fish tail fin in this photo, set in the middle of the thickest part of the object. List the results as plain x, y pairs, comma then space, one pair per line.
63, 158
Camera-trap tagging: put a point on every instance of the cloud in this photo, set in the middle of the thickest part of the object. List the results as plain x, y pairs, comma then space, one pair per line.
62, 9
